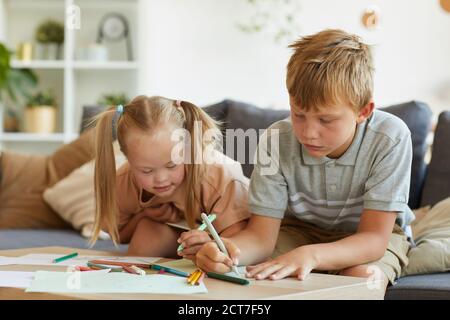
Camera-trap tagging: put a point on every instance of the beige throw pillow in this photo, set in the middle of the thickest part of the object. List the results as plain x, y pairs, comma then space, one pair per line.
73, 197
432, 237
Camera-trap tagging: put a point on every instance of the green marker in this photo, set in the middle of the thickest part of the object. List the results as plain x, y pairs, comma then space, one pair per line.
65, 257
227, 278
202, 227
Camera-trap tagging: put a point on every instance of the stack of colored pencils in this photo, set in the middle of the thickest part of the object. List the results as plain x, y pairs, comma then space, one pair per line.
196, 277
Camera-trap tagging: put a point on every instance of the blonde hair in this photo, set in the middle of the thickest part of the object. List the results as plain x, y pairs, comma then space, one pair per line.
330, 67
146, 113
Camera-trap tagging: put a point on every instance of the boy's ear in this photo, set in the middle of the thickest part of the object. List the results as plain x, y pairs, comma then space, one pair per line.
365, 112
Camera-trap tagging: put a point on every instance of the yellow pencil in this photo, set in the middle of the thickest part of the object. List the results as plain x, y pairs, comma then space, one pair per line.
196, 277
200, 280
191, 276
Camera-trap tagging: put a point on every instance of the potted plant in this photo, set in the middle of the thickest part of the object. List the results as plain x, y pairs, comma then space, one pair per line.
40, 113
14, 84
113, 99
50, 36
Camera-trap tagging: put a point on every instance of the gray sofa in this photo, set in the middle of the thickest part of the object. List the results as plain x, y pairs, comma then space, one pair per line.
429, 184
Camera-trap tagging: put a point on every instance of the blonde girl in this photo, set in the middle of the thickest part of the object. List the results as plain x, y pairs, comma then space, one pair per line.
135, 203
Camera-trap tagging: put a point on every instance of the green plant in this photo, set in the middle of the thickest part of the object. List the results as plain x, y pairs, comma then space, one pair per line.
275, 17
42, 98
113, 99
14, 83
50, 31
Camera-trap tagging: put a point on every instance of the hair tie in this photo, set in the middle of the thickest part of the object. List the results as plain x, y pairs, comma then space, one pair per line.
120, 109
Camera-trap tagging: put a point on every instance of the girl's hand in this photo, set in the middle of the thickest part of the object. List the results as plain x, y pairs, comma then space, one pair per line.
192, 241
210, 258
164, 213
298, 262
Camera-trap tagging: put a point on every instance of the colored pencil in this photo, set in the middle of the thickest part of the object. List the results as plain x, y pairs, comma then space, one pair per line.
202, 227
121, 264
216, 237
227, 278
72, 255
170, 270
196, 277
100, 266
200, 280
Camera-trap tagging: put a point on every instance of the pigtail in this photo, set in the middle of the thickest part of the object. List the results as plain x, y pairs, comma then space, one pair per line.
105, 178
196, 122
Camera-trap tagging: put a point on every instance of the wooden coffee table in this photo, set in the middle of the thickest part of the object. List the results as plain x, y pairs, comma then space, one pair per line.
316, 286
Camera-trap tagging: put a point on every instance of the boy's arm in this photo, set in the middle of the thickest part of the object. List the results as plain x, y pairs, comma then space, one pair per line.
368, 244
257, 241
252, 245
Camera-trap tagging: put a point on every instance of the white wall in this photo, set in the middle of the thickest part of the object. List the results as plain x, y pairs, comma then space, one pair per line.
191, 49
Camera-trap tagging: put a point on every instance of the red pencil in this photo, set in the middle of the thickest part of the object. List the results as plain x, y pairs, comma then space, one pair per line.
129, 269
121, 264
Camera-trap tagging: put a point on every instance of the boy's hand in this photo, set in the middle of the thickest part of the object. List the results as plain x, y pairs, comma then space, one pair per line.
210, 258
164, 213
298, 262
192, 241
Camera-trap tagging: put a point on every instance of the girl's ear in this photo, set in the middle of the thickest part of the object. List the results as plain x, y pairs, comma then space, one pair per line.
365, 112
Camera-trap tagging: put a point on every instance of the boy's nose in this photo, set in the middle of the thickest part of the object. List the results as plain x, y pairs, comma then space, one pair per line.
310, 132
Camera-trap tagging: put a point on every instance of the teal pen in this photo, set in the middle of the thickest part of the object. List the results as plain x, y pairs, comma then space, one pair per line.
169, 270
202, 227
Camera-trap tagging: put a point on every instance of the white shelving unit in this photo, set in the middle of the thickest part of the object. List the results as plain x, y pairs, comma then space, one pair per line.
75, 82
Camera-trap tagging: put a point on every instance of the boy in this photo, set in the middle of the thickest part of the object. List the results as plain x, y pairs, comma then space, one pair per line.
343, 173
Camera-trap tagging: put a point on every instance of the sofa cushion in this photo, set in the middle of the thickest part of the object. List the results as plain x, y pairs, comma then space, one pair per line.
431, 254
437, 182
73, 197
421, 287
417, 116
239, 115
88, 113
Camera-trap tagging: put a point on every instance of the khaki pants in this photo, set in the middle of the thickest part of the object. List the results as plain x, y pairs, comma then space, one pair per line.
295, 233
23, 179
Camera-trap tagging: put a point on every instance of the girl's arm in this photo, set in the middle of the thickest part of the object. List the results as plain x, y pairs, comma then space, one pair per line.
163, 213
126, 232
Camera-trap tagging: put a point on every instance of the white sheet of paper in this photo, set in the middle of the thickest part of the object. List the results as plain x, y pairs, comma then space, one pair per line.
114, 282
19, 279
16, 279
46, 259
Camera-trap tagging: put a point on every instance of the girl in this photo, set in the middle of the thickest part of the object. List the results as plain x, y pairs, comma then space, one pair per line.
154, 187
